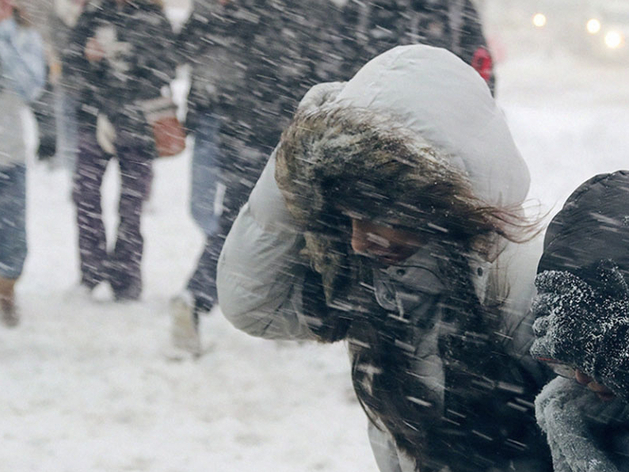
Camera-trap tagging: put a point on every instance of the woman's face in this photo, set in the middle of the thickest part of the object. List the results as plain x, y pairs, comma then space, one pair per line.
384, 243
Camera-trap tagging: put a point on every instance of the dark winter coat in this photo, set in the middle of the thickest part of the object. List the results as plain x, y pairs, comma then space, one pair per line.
55, 21
252, 61
593, 226
400, 116
138, 40
369, 28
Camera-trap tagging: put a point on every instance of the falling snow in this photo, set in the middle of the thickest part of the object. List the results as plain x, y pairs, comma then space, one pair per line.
91, 385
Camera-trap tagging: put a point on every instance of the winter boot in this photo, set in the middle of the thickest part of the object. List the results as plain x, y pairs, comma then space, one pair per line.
10, 316
185, 324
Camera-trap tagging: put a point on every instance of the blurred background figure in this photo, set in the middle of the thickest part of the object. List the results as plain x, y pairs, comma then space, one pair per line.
240, 100
55, 109
22, 77
372, 27
62, 20
118, 58
251, 62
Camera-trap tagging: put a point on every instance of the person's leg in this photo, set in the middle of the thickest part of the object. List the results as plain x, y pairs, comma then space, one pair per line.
67, 127
206, 203
205, 188
202, 284
235, 188
206, 206
13, 247
135, 176
88, 178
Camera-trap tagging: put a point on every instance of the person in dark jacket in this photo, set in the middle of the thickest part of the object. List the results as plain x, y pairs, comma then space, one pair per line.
582, 325
55, 110
251, 61
119, 58
372, 27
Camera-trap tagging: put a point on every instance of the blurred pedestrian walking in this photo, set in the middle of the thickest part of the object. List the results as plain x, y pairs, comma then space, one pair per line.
22, 76
55, 108
251, 61
119, 58
372, 27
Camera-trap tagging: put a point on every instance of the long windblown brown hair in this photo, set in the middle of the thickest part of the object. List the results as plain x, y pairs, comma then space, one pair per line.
21, 16
385, 174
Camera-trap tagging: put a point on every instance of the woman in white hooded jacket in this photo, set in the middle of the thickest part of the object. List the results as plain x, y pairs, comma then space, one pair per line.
387, 217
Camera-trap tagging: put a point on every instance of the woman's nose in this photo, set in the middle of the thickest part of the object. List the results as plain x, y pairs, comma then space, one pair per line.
360, 241
368, 238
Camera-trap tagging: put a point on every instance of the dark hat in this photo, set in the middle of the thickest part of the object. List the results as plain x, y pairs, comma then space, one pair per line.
593, 225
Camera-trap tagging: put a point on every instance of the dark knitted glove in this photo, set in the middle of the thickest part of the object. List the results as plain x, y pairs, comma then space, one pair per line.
578, 324
47, 148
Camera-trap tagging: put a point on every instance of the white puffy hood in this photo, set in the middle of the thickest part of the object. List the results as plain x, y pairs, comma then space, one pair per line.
433, 92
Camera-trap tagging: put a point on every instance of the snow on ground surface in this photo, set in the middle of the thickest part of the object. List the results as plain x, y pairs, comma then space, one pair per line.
88, 386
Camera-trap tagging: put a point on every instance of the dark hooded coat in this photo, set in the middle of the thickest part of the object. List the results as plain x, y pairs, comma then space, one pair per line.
593, 225
369, 28
252, 61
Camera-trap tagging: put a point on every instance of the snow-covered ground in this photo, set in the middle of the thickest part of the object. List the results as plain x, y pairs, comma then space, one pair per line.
88, 386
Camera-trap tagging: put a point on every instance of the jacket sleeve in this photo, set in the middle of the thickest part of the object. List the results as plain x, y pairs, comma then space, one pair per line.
22, 58
160, 54
512, 277
191, 40
259, 272
74, 53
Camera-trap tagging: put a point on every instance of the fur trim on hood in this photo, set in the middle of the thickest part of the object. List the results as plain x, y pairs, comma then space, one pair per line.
412, 120
413, 140
338, 157
584, 433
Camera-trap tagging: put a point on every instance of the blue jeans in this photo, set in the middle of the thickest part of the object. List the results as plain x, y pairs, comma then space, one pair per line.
207, 190
217, 195
12, 221
67, 126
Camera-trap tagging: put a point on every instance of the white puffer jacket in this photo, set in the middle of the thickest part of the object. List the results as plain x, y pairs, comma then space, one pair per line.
435, 94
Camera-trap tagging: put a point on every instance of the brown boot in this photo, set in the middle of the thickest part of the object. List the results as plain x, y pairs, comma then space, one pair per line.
10, 316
